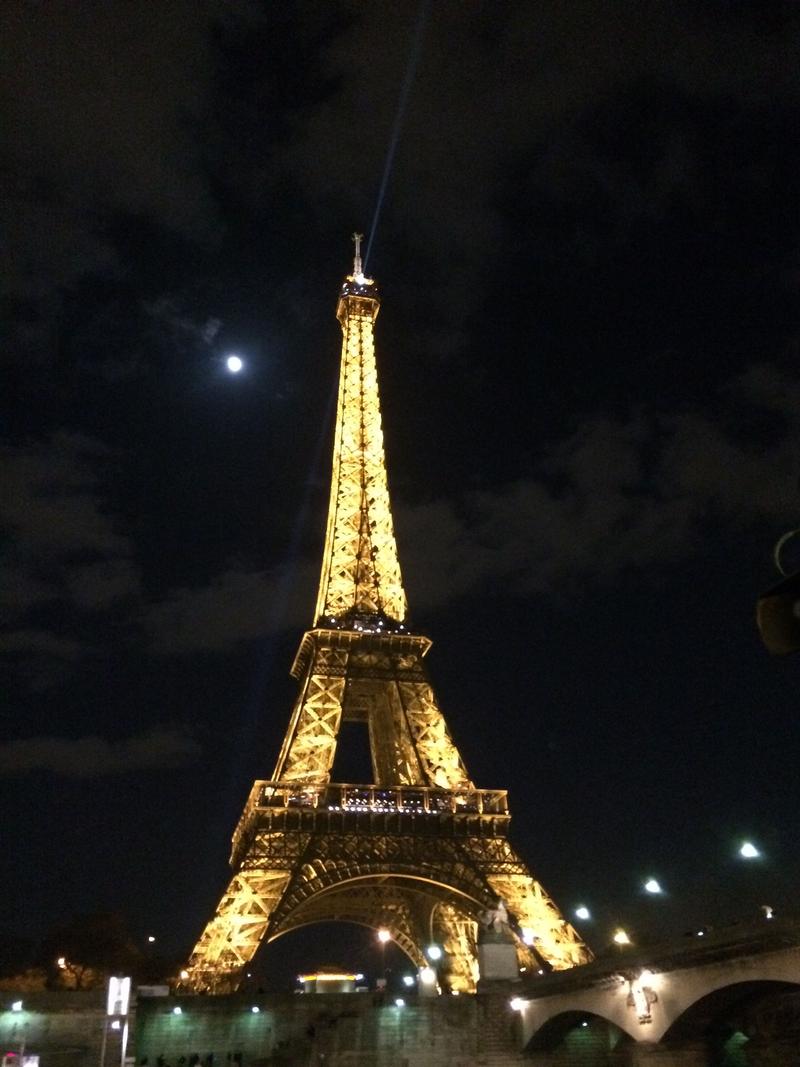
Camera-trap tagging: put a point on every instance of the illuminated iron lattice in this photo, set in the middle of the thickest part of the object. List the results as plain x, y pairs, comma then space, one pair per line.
419, 851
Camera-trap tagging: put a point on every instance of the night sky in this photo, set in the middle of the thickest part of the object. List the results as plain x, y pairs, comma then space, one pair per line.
589, 356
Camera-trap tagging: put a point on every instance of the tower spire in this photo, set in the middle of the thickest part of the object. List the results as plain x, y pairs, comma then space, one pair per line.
357, 271
360, 579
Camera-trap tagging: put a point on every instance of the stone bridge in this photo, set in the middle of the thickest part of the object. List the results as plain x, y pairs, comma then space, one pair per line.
726, 997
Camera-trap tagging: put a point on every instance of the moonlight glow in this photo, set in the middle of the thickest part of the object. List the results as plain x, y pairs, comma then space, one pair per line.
234, 364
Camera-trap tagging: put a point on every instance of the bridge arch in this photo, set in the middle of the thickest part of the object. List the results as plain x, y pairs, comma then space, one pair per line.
575, 1031
688, 1001
729, 1009
690, 993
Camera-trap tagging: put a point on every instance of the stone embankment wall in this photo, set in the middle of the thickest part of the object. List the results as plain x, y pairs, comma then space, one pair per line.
348, 1030
63, 1029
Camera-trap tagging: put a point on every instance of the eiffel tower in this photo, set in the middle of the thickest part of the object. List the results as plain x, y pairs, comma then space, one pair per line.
419, 851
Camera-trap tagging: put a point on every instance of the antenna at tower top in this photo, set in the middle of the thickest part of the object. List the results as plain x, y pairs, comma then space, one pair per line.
357, 271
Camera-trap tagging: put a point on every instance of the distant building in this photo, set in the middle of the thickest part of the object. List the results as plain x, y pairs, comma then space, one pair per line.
330, 980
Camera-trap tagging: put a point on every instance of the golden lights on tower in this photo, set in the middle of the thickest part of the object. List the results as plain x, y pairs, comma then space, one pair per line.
360, 568
418, 853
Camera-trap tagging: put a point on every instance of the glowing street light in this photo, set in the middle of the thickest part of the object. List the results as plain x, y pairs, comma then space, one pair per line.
384, 935
621, 937
255, 1009
177, 1010
427, 976
582, 912
652, 885
433, 952
16, 1005
408, 981
399, 1002
517, 1004
749, 851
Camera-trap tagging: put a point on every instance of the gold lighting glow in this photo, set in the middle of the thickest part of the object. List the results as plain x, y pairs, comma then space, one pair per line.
419, 851
360, 568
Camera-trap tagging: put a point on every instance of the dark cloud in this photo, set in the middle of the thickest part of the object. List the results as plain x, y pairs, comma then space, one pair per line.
616, 495
110, 99
123, 113
530, 93
53, 516
104, 106
40, 641
41, 659
63, 551
236, 606
91, 757
96, 586
49, 506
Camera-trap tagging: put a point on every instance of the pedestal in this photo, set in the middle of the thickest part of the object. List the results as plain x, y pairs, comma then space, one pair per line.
497, 960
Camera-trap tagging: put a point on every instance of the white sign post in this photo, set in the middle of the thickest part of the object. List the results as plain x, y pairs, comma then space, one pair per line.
116, 1017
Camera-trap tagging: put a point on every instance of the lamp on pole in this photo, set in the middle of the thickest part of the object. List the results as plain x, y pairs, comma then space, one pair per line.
383, 938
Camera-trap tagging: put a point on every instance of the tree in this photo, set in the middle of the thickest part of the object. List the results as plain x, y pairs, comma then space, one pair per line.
16, 970
83, 952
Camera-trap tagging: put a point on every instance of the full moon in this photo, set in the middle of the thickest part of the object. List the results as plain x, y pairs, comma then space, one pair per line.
234, 364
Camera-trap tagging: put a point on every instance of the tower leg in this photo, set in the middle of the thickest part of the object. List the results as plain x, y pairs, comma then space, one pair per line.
457, 932
537, 916
231, 938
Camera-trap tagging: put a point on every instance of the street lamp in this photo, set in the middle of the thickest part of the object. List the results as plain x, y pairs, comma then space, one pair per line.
383, 938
